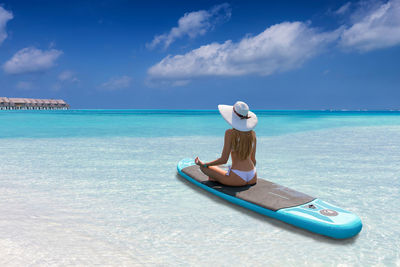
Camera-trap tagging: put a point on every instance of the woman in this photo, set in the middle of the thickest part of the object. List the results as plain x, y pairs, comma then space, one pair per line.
240, 143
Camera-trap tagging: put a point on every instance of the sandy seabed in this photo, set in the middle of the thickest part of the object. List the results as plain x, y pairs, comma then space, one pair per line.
119, 201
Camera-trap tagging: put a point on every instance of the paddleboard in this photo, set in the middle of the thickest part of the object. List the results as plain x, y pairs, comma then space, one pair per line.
280, 202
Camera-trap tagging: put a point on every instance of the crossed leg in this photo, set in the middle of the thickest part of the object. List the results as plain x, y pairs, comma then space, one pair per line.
217, 174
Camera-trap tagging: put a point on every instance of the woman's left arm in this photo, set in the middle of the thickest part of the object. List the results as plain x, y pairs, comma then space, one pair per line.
225, 151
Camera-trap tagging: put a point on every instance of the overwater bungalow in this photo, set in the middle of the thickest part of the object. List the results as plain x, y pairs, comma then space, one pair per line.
30, 103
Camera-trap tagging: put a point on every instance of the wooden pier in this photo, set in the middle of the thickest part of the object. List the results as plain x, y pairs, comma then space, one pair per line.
30, 103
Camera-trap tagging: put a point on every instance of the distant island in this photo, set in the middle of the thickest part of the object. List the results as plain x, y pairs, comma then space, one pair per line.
31, 103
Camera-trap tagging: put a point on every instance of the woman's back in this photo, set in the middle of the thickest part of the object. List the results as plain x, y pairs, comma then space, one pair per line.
243, 148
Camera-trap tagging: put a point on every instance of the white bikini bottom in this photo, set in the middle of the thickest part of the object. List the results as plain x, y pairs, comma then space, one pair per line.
246, 176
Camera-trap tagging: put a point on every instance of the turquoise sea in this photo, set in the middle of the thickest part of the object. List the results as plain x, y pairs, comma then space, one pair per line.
99, 187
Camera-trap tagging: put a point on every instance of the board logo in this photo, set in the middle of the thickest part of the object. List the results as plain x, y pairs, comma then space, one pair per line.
328, 212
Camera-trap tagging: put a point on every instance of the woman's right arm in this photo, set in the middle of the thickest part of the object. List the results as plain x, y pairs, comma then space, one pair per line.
253, 153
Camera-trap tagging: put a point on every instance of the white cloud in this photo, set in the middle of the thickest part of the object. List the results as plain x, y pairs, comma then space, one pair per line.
164, 83
343, 9
180, 83
374, 26
283, 46
193, 24
117, 83
280, 47
67, 76
5, 16
23, 85
31, 59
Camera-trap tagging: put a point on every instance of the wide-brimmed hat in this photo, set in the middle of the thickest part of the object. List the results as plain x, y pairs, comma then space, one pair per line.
239, 116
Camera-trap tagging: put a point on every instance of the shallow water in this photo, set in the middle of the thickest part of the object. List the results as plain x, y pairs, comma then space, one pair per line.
71, 196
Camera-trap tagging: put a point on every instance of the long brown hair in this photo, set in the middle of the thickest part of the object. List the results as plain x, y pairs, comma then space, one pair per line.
242, 143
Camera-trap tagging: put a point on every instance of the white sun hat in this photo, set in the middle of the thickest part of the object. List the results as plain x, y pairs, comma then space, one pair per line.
239, 116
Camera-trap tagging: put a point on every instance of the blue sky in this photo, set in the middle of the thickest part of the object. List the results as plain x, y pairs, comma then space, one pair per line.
198, 54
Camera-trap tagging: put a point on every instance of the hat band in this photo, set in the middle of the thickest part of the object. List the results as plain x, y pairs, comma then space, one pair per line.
240, 115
